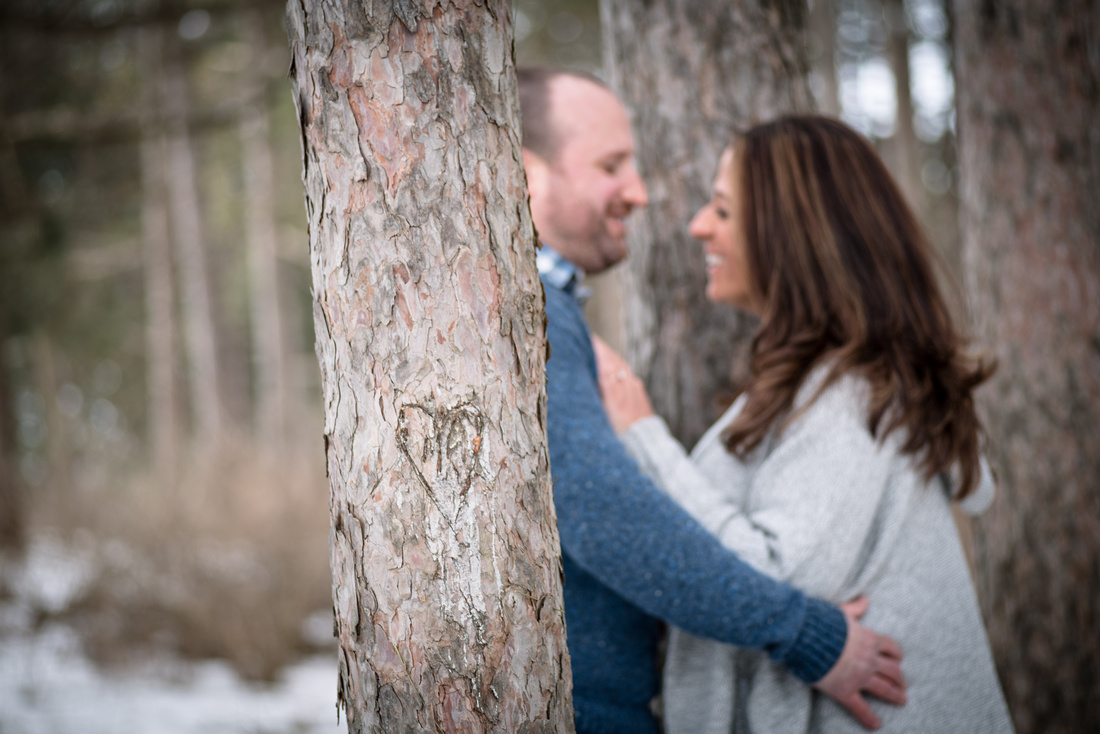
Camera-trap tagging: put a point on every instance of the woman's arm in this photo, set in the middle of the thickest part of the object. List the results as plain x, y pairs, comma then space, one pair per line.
814, 497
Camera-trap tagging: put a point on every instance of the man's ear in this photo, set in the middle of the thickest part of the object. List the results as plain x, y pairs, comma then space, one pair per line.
537, 171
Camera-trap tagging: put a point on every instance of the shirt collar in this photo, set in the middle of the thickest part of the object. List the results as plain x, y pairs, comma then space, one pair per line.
562, 274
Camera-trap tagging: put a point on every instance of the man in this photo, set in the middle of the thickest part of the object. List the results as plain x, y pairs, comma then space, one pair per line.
631, 556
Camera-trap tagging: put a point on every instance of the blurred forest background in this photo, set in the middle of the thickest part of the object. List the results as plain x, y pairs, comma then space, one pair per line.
159, 398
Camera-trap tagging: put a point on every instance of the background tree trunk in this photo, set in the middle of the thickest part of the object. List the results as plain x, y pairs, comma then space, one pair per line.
430, 337
692, 70
268, 352
12, 506
948, 234
1028, 81
189, 235
823, 40
160, 321
44, 366
906, 147
14, 197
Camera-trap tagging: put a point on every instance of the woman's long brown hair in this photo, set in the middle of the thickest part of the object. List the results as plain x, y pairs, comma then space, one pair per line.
845, 276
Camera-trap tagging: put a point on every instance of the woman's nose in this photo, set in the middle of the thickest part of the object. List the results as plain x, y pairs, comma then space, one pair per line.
698, 228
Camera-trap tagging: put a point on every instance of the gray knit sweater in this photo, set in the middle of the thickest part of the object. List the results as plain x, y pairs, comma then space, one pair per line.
837, 514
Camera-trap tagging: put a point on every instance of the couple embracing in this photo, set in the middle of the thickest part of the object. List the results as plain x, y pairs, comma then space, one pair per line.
826, 486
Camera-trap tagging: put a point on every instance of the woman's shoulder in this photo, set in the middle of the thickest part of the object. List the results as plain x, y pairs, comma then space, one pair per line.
840, 397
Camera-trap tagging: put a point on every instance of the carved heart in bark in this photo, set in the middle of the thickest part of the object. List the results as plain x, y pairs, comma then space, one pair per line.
442, 446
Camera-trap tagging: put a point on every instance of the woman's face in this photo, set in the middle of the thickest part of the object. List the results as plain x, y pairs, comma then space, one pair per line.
717, 226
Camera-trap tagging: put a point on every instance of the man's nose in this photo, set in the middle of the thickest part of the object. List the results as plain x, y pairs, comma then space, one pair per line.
634, 192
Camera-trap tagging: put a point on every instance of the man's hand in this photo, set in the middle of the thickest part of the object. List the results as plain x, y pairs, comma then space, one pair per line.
869, 662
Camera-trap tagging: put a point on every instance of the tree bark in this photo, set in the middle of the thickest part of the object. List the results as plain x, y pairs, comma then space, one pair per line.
268, 351
1029, 148
189, 236
160, 321
430, 336
691, 71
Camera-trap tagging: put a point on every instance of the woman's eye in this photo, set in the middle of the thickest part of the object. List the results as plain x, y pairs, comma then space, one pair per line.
721, 213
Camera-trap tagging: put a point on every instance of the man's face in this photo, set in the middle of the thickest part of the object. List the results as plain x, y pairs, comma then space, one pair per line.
579, 200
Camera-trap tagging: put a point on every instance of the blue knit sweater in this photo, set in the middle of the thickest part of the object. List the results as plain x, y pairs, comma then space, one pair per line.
633, 557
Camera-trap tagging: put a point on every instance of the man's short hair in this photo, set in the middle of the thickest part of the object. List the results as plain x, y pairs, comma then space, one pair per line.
533, 82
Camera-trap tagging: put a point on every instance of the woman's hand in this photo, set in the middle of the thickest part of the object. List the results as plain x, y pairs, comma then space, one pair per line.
624, 395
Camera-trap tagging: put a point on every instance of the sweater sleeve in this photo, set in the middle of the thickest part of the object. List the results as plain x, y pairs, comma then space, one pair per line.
814, 496
618, 526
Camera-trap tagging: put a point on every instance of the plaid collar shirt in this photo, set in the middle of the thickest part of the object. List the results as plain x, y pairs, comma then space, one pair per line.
562, 274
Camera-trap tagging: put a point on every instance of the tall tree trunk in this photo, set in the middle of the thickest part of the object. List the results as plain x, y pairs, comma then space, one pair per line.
430, 337
189, 235
943, 216
904, 142
823, 27
44, 370
692, 70
1029, 148
268, 352
14, 197
12, 506
160, 322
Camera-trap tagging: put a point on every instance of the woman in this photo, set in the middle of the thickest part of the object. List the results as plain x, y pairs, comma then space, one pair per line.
835, 468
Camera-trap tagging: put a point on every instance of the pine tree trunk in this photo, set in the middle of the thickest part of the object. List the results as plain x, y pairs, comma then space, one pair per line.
189, 236
12, 506
1029, 148
44, 371
906, 147
160, 321
823, 26
14, 197
430, 337
268, 352
692, 70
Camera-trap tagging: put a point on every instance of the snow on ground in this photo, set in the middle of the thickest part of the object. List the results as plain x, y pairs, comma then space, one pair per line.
48, 686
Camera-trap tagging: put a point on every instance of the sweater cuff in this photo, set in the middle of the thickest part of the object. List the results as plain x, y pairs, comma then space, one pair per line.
819, 642
642, 433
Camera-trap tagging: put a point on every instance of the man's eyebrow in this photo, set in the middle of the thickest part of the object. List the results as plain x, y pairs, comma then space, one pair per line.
616, 157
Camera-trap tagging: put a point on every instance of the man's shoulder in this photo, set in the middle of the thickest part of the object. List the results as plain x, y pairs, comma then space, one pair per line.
566, 331
559, 304
552, 290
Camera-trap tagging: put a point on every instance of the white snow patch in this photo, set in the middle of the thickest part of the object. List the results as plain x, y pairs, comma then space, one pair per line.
49, 686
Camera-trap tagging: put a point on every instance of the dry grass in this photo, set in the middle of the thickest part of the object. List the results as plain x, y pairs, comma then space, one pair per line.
227, 562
